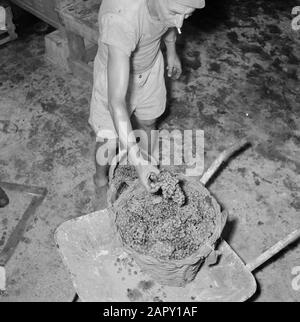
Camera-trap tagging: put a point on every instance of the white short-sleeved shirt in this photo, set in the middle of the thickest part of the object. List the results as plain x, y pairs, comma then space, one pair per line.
127, 24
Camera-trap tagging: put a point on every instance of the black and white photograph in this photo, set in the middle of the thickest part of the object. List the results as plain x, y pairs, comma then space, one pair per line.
149, 154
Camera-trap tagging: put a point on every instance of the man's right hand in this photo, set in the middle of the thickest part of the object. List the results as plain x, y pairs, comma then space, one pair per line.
144, 173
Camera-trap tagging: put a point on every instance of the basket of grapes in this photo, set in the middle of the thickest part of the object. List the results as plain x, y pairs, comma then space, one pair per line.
172, 233
169, 234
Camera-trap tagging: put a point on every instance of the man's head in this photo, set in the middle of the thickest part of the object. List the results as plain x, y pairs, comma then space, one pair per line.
173, 12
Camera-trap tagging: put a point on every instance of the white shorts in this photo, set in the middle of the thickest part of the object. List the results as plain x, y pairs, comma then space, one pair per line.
146, 96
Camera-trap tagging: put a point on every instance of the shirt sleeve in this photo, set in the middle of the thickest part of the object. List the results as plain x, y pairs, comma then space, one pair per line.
116, 31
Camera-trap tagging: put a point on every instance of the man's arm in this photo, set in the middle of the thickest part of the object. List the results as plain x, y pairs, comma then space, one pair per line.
170, 39
174, 65
118, 70
118, 80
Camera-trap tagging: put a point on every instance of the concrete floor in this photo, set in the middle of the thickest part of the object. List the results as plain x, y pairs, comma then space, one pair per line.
241, 79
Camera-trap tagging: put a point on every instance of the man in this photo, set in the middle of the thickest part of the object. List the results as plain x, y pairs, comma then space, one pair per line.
129, 77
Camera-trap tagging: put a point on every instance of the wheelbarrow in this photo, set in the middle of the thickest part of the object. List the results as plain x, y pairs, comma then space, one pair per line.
101, 271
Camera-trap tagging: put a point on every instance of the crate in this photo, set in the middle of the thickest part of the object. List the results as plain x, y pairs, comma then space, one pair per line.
79, 19
57, 50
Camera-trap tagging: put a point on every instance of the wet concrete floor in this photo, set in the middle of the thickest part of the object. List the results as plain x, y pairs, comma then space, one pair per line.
241, 79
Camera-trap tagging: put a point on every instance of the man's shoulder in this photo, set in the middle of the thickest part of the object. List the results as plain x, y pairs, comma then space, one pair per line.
128, 8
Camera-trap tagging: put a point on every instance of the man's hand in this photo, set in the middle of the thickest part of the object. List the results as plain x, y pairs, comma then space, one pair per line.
145, 172
174, 65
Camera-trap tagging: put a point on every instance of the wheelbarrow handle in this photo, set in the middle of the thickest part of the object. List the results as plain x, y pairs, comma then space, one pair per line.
273, 250
224, 156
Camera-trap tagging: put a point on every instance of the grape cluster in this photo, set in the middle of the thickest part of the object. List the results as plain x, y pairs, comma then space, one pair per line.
164, 230
123, 173
170, 187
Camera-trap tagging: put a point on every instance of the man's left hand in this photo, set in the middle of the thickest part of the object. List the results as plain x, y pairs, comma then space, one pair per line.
174, 66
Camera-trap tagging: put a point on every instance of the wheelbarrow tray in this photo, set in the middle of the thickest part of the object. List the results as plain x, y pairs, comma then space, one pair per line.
102, 271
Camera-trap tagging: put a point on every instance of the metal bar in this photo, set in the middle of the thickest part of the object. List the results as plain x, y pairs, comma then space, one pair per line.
18, 232
23, 188
263, 258
39, 195
224, 156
